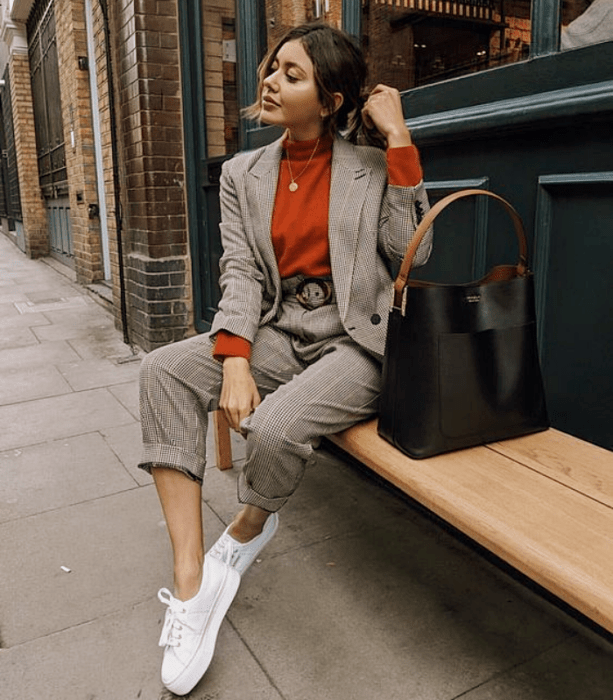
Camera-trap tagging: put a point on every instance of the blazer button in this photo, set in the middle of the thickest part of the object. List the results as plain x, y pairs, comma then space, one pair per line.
375, 319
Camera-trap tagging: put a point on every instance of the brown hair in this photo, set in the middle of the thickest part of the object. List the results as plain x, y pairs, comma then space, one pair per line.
338, 66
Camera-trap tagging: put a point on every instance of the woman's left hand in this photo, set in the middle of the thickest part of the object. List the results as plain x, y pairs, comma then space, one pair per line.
383, 109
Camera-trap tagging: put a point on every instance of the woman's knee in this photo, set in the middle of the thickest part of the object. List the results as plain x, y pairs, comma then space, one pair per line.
276, 459
273, 429
153, 365
158, 371
180, 360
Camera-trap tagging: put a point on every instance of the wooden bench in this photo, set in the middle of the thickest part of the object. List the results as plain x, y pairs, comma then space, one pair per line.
542, 503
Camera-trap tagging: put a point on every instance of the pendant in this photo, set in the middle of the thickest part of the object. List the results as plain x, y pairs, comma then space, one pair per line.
293, 186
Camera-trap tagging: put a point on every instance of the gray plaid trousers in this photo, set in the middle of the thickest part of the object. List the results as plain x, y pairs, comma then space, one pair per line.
314, 381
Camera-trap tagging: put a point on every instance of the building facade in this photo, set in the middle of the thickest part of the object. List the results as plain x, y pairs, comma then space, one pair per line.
116, 118
92, 91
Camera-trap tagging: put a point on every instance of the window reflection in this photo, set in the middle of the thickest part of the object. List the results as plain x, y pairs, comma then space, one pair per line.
220, 86
408, 43
416, 42
281, 15
585, 23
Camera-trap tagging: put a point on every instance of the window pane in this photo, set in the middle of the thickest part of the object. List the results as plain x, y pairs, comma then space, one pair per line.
219, 32
585, 22
271, 20
281, 15
416, 42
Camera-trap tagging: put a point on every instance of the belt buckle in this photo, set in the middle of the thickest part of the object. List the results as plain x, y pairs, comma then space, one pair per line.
314, 292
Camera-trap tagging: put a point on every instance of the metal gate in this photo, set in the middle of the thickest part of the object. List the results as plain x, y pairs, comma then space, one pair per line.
10, 202
60, 231
49, 128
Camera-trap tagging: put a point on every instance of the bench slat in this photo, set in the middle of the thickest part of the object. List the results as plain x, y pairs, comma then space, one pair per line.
559, 537
223, 441
580, 465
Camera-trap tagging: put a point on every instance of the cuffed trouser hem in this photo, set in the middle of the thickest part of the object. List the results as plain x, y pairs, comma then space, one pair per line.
248, 496
173, 458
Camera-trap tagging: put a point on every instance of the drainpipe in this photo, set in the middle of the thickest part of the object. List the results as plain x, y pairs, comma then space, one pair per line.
116, 183
93, 88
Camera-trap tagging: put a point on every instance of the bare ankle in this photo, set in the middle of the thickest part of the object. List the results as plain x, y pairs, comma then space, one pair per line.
244, 530
187, 581
243, 533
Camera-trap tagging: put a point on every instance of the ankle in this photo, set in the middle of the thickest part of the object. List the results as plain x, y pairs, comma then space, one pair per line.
248, 524
187, 580
243, 530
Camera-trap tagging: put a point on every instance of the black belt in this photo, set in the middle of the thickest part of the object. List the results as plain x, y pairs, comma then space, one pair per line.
314, 292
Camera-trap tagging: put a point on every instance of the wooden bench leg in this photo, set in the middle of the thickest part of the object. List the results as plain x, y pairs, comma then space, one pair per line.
223, 444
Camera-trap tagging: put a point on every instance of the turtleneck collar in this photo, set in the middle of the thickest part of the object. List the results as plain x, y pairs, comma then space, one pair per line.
303, 150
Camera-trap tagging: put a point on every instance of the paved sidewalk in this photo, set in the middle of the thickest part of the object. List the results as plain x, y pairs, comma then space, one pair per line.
358, 597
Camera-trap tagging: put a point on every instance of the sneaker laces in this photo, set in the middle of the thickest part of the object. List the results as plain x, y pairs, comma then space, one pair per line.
174, 621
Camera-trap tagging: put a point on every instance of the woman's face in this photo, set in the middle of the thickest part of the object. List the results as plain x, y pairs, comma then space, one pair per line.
289, 93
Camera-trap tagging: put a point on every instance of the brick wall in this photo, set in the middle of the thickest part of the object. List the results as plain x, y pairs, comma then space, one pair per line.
517, 33
78, 138
151, 135
219, 24
394, 58
32, 205
282, 15
100, 60
389, 53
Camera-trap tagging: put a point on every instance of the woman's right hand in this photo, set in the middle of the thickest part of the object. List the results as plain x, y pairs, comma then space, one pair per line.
239, 392
383, 110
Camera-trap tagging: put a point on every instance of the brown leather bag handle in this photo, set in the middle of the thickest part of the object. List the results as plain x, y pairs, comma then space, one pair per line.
427, 221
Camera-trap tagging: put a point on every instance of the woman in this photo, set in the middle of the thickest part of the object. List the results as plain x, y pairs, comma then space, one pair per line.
311, 226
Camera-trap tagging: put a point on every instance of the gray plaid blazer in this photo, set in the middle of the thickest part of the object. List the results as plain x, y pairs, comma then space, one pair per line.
370, 225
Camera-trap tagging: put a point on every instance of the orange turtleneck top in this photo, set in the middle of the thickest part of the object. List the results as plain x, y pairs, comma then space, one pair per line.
299, 227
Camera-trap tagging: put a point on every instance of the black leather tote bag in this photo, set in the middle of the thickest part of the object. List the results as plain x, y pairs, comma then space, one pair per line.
461, 366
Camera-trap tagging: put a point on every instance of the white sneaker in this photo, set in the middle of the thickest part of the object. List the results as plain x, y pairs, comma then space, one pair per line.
190, 627
238, 555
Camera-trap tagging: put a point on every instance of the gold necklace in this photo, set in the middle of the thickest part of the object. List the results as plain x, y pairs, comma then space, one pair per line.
293, 185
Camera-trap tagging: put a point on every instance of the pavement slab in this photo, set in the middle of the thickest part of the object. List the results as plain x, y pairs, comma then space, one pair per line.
116, 657
11, 293
117, 551
7, 310
576, 669
127, 393
17, 321
91, 329
57, 474
91, 374
19, 385
115, 548
33, 422
17, 337
109, 345
125, 442
35, 356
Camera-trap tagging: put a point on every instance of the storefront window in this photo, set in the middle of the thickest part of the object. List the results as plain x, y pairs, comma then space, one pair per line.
221, 94
417, 42
281, 15
408, 43
271, 18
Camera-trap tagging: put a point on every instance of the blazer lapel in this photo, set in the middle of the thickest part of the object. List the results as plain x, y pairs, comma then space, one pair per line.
348, 189
261, 189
